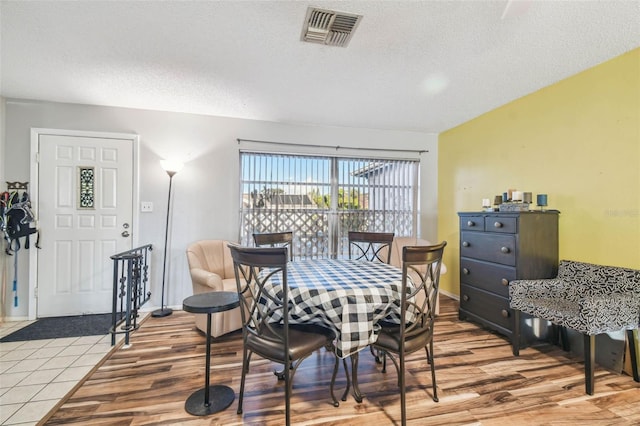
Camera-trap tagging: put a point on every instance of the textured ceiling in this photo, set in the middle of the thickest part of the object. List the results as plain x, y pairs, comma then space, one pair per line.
411, 65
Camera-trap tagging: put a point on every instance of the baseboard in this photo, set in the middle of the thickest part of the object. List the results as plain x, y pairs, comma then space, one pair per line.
451, 295
14, 319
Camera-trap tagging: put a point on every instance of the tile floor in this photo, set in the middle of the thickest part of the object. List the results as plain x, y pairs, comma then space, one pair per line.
35, 375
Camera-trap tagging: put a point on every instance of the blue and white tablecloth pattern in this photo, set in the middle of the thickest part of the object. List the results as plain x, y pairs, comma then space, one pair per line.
347, 296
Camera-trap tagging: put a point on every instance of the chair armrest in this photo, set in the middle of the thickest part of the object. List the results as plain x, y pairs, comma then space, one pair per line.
206, 279
541, 288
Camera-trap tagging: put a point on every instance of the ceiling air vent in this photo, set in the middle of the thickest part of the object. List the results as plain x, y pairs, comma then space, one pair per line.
329, 27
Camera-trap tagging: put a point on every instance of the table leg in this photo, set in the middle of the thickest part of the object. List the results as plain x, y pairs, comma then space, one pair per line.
354, 377
200, 402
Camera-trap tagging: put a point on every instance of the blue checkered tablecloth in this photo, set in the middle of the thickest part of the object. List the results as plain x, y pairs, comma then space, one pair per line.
348, 296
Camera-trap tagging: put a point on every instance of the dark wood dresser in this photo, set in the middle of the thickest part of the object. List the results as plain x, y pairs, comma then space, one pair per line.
499, 247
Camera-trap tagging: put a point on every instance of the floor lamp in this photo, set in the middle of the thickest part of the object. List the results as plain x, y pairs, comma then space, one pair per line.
171, 168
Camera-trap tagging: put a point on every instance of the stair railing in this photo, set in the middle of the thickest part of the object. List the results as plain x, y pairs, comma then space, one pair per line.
131, 290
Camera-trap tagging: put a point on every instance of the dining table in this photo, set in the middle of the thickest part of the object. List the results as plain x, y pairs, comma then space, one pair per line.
348, 296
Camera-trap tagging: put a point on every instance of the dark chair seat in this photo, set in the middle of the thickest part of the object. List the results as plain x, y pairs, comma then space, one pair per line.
389, 339
301, 343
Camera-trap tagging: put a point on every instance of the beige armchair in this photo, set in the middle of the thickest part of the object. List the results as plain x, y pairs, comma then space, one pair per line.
396, 256
211, 269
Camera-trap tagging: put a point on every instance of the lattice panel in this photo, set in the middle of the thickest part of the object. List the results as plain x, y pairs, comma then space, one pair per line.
311, 227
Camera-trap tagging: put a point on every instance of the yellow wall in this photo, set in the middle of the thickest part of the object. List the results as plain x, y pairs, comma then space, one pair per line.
578, 141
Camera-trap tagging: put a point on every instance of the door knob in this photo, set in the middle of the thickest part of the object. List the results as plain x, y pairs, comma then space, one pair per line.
125, 234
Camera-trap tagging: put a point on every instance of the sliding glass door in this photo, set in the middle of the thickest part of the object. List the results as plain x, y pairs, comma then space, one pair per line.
321, 198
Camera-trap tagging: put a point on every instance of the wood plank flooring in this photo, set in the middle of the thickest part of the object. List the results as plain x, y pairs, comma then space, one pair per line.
479, 383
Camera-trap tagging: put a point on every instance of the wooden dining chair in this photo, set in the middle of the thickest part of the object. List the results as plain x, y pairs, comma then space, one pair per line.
265, 317
371, 246
275, 239
417, 315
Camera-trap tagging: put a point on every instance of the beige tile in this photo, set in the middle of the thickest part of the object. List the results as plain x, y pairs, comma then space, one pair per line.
10, 346
36, 344
107, 339
9, 380
7, 411
60, 362
17, 355
55, 390
88, 340
88, 360
67, 341
19, 394
6, 366
41, 376
46, 352
27, 365
74, 350
73, 373
23, 424
99, 348
32, 412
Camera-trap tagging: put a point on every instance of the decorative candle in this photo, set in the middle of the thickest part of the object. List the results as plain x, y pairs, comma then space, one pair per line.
497, 200
542, 199
486, 202
516, 196
526, 197
510, 194
505, 197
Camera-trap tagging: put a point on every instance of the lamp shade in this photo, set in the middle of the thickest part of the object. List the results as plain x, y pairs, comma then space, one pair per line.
171, 166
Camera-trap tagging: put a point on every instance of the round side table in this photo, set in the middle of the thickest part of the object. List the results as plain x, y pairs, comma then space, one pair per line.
210, 399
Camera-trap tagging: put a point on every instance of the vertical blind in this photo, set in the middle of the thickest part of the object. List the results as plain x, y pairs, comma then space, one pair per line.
321, 198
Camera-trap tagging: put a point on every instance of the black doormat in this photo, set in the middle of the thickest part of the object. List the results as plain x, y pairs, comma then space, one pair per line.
57, 327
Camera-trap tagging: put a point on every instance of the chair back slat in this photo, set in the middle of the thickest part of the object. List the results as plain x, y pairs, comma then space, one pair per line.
254, 267
275, 239
420, 294
371, 246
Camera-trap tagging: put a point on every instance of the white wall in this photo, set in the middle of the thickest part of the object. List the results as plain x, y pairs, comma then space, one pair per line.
205, 193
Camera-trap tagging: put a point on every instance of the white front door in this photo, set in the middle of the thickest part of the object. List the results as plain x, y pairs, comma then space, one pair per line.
85, 213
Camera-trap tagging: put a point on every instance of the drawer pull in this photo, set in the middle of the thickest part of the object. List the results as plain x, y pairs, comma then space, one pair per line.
497, 224
505, 313
465, 244
471, 223
504, 281
505, 250
465, 298
465, 271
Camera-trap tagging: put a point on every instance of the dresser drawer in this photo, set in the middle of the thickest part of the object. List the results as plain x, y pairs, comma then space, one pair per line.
488, 306
487, 276
488, 246
473, 223
505, 225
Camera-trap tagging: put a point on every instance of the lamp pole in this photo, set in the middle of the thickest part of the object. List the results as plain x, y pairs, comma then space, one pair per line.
164, 311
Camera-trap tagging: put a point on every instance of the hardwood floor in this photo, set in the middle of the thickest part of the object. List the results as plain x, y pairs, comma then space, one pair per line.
479, 383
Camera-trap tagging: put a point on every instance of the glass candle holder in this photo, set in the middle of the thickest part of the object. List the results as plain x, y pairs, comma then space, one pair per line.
542, 201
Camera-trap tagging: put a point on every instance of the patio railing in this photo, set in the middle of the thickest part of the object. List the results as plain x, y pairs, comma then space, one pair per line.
321, 233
